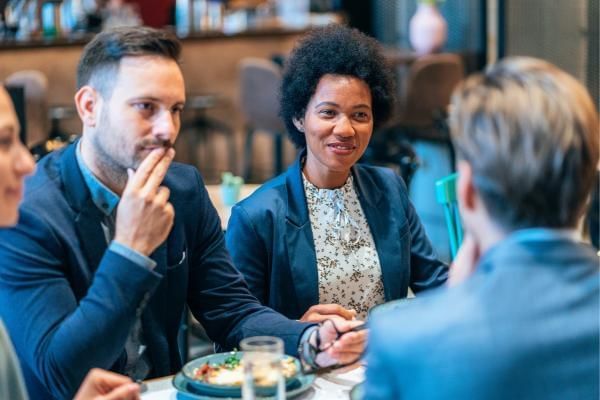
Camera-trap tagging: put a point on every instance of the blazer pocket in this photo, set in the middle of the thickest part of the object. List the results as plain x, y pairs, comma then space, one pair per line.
178, 261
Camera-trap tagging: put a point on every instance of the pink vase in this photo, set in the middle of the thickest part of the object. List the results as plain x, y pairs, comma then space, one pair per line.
428, 30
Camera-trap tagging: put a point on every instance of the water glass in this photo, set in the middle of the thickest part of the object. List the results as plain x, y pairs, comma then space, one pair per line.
262, 368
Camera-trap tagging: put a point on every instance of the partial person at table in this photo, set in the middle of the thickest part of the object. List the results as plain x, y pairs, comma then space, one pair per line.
523, 321
114, 239
331, 237
15, 164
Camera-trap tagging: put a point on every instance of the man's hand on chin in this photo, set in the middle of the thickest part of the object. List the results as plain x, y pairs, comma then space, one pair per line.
145, 216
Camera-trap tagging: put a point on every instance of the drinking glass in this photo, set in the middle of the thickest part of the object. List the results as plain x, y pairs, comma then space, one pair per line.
262, 368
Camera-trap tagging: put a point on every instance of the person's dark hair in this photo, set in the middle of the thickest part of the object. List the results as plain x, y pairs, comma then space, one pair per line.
337, 50
101, 57
529, 131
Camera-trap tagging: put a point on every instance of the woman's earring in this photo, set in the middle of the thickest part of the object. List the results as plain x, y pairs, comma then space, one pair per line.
298, 124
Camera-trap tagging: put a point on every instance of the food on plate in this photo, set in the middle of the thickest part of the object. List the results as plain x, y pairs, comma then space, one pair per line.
230, 372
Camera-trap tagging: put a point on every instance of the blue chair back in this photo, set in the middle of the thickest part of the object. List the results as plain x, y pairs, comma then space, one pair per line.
445, 193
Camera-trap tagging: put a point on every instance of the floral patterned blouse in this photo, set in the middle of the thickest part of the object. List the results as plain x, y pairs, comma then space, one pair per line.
347, 262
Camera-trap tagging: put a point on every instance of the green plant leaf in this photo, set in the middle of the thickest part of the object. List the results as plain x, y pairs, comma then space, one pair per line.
228, 179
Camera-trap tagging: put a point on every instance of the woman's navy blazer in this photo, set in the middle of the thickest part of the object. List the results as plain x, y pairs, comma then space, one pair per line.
270, 239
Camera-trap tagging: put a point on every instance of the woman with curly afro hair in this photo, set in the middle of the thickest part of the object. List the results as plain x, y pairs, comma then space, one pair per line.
330, 238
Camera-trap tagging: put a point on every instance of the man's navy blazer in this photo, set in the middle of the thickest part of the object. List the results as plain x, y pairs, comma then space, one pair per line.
69, 303
525, 326
270, 239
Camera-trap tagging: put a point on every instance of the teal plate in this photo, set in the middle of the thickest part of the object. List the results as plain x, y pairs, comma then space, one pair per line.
185, 391
209, 389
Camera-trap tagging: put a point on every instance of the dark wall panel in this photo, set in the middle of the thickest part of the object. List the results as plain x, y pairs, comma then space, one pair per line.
562, 32
465, 18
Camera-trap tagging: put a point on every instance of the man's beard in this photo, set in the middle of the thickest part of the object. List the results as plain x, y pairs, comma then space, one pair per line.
115, 169
149, 142
113, 159
109, 167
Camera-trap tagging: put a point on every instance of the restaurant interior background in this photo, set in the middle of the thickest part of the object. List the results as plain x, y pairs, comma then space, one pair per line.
220, 36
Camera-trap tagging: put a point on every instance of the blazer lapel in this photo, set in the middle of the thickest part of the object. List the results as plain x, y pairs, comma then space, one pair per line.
384, 229
160, 257
156, 311
300, 244
91, 235
88, 216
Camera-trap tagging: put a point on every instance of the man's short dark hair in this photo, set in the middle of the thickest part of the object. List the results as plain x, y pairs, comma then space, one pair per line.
529, 131
101, 57
337, 50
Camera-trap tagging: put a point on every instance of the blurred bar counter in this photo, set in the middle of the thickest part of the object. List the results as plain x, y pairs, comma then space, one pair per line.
81, 39
209, 64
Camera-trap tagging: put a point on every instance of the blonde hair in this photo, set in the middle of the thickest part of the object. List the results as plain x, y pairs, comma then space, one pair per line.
530, 133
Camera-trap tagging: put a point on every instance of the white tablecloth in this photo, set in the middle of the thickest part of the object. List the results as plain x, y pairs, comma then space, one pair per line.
332, 386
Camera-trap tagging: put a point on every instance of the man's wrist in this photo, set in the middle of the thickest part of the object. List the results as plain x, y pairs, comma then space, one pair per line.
306, 347
137, 247
132, 255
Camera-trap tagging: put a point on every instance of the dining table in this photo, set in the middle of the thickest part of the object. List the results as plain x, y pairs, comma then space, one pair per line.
330, 386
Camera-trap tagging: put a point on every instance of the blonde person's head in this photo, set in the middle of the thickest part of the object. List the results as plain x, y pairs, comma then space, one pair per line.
529, 131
